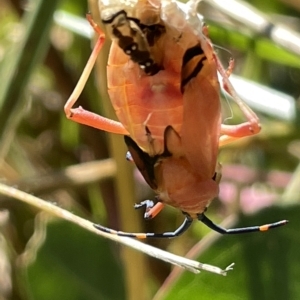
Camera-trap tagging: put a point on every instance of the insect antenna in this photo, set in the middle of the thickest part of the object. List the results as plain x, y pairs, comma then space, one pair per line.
180, 230
209, 223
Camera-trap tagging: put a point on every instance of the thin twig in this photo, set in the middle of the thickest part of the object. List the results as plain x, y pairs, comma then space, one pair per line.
190, 265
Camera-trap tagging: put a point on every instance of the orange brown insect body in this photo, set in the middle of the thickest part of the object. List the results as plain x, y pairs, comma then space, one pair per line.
163, 84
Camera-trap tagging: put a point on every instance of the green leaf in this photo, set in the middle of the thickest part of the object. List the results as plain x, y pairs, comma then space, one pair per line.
245, 42
74, 264
21, 60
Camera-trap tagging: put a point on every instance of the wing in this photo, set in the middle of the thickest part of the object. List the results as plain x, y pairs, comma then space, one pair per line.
201, 116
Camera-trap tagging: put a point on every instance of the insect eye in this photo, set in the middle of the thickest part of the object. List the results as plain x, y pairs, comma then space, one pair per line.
133, 47
146, 64
149, 66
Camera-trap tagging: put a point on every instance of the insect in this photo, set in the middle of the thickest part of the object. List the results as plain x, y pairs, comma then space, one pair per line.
163, 84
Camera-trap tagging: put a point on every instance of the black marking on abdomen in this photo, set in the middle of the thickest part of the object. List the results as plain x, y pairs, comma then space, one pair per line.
192, 63
191, 53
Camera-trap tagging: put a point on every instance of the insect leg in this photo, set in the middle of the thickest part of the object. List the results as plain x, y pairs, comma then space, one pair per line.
233, 132
247, 111
129, 157
152, 209
230, 67
81, 115
209, 223
180, 230
147, 203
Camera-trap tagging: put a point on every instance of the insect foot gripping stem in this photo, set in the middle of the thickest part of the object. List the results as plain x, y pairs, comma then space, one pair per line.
215, 227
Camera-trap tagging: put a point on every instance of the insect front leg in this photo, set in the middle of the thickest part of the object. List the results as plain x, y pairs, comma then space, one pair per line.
230, 133
81, 115
152, 209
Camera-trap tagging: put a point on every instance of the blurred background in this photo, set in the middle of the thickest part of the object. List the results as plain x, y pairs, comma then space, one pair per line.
44, 46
